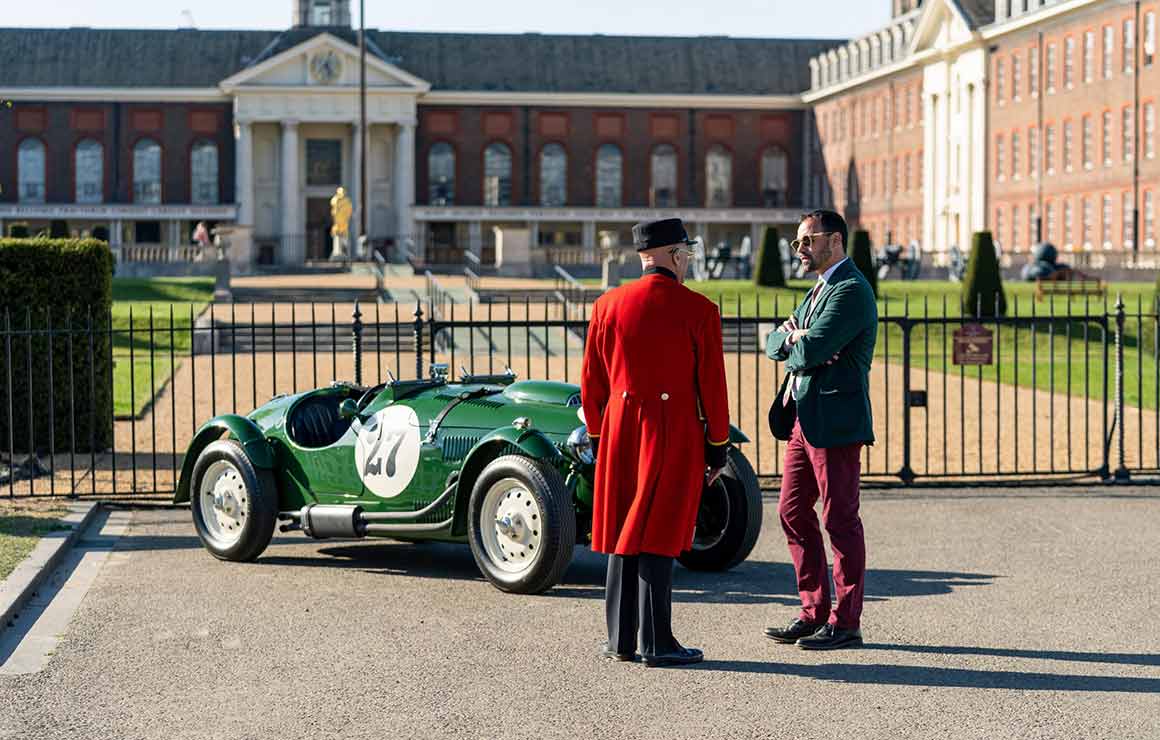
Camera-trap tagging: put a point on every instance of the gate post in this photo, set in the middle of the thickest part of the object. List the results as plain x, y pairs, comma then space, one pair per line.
356, 330
417, 332
1121, 475
906, 473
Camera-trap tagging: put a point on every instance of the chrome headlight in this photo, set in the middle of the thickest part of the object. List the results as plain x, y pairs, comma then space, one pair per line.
580, 445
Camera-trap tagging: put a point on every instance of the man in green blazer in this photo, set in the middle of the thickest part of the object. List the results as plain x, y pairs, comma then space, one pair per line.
823, 412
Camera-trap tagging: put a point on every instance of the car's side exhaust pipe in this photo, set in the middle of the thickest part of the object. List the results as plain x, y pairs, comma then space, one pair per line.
321, 521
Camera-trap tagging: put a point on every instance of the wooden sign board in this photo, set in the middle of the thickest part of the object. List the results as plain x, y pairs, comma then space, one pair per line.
974, 345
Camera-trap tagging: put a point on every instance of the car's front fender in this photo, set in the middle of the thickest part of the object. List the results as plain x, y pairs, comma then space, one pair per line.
238, 427
502, 441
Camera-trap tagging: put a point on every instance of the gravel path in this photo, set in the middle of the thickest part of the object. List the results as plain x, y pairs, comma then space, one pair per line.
989, 614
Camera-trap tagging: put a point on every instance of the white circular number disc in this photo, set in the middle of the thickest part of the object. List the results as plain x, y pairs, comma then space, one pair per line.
387, 452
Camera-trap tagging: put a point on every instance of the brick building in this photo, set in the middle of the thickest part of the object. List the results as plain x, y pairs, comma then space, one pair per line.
1033, 118
138, 135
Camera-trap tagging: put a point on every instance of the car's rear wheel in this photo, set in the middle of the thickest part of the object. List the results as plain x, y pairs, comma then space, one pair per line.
523, 524
234, 504
728, 519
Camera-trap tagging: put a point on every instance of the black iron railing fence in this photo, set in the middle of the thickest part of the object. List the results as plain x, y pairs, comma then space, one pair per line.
1068, 395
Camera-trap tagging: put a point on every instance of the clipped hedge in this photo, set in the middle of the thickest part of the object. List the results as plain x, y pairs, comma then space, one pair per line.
770, 271
864, 258
57, 283
983, 283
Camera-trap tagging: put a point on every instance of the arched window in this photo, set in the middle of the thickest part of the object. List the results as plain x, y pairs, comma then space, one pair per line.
203, 167
147, 172
497, 175
441, 174
718, 178
609, 167
664, 177
30, 171
89, 169
553, 175
774, 177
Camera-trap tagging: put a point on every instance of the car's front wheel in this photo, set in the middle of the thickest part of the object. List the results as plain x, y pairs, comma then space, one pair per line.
523, 524
728, 519
234, 504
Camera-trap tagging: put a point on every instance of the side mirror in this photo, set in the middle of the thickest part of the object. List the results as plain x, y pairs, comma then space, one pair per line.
348, 409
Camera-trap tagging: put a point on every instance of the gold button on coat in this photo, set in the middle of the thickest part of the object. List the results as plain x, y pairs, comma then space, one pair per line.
664, 396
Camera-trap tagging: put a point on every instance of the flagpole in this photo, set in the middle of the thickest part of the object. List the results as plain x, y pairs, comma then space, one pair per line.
362, 106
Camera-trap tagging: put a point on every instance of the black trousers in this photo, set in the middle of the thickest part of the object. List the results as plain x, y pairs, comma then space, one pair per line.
639, 596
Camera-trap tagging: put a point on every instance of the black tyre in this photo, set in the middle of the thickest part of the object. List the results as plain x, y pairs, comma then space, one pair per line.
234, 504
522, 524
728, 520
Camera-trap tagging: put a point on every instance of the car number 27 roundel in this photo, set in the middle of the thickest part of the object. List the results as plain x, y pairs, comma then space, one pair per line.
387, 452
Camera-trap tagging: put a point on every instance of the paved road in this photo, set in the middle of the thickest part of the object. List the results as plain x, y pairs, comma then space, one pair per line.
1008, 614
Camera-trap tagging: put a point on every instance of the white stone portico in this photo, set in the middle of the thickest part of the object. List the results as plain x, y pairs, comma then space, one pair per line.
954, 98
303, 101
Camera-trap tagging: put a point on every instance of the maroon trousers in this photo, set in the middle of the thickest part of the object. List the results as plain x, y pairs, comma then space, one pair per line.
832, 473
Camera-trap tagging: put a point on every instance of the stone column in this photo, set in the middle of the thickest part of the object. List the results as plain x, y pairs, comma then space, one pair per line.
404, 180
588, 239
475, 238
116, 232
293, 238
244, 172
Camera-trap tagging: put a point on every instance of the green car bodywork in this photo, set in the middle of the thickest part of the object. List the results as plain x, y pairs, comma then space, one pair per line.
461, 427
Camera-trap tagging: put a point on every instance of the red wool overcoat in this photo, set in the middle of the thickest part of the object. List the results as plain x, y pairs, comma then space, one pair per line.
653, 391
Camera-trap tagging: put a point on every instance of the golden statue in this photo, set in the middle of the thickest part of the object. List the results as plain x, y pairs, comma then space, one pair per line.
340, 211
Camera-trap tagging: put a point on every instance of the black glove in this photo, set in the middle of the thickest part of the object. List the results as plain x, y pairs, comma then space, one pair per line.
594, 441
716, 455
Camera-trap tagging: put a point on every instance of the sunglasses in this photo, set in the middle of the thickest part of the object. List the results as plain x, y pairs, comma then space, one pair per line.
808, 240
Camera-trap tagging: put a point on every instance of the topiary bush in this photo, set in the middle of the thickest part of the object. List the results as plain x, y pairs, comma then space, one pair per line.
983, 283
770, 272
863, 257
60, 283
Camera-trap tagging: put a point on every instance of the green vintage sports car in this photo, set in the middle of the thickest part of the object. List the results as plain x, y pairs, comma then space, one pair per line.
505, 466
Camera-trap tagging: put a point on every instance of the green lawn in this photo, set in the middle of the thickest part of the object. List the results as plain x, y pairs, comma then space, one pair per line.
1063, 358
144, 306
21, 526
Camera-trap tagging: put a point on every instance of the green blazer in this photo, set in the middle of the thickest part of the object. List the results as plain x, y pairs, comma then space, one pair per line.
833, 407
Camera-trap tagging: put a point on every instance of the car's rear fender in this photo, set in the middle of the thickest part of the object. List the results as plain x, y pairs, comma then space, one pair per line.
502, 441
238, 427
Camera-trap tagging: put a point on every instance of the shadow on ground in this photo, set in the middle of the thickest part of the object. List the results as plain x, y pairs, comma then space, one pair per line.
910, 675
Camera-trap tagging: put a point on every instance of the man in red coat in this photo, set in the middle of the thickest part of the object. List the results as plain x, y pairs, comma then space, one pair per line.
657, 410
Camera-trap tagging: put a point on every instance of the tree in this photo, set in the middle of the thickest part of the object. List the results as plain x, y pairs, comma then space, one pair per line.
863, 258
770, 272
983, 283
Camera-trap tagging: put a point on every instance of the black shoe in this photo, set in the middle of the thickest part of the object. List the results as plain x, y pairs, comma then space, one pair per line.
796, 630
830, 637
680, 656
613, 655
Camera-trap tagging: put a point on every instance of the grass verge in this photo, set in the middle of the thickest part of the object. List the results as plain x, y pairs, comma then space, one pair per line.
22, 524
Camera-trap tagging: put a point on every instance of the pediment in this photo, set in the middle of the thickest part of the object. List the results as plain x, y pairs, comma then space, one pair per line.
320, 63
941, 26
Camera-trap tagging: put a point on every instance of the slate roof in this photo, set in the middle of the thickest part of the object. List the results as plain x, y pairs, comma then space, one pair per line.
977, 12
85, 57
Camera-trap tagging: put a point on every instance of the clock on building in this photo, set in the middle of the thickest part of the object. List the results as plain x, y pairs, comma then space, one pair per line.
325, 66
